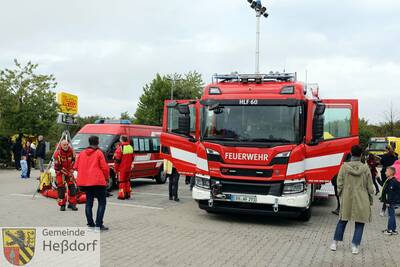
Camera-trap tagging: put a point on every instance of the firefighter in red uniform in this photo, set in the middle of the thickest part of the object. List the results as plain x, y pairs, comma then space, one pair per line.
64, 159
123, 158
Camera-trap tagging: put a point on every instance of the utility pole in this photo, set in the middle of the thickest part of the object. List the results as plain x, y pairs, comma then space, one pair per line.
260, 11
173, 80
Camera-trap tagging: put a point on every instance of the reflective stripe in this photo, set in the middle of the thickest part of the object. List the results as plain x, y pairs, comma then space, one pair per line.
142, 157
202, 164
183, 155
127, 149
189, 157
314, 163
148, 161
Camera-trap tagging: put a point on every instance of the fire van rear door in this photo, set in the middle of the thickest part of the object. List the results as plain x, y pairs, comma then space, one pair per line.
178, 148
324, 158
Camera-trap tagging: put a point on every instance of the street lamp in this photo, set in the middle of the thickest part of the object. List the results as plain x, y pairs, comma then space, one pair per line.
260, 11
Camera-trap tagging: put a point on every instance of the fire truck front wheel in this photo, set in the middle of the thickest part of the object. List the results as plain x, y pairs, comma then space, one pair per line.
161, 177
305, 215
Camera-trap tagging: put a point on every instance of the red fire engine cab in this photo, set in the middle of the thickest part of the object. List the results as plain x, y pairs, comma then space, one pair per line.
258, 143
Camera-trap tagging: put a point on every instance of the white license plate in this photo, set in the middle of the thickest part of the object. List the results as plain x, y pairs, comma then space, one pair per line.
244, 198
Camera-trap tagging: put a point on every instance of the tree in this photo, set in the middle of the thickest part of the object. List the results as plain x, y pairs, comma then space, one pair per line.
391, 118
125, 116
27, 102
366, 131
151, 103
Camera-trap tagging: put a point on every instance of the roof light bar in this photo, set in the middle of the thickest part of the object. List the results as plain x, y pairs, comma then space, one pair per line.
256, 78
105, 121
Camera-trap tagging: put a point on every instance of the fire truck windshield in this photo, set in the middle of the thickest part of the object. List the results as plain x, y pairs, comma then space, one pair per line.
275, 124
81, 141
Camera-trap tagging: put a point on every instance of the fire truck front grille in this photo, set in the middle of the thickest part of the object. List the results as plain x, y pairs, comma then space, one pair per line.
250, 187
246, 172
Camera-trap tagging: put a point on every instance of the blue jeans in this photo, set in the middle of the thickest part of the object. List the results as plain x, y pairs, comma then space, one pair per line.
391, 218
24, 168
93, 192
358, 232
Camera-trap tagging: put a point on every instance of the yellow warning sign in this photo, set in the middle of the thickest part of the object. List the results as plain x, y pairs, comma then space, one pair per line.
68, 103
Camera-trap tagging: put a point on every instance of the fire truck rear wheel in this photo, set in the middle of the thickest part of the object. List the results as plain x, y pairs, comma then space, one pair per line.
161, 177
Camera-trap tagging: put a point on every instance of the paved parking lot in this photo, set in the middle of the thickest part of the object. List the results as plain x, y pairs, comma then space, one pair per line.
150, 230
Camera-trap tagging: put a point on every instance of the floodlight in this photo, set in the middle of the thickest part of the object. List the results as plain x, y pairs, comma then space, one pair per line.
263, 9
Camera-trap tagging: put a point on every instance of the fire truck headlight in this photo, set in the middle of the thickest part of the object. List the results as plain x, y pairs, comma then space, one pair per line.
213, 155
294, 188
202, 182
283, 155
211, 151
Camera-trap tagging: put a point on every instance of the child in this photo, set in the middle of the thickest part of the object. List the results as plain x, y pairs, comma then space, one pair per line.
24, 167
391, 197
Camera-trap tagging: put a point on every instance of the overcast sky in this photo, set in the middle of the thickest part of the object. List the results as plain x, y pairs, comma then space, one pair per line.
106, 51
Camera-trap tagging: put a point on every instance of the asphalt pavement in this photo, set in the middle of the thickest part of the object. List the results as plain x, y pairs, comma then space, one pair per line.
150, 230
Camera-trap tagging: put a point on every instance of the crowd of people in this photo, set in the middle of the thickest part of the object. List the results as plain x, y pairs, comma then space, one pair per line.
355, 185
25, 154
88, 173
354, 189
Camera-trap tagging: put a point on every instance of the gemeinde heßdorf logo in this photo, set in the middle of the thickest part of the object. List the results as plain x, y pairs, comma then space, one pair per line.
50, 246
19, 245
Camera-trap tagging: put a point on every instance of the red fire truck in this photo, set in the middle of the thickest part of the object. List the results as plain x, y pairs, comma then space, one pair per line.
145, 139
258, 143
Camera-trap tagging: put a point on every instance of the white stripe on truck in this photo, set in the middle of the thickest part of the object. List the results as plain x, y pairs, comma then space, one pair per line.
189, 157
314, 163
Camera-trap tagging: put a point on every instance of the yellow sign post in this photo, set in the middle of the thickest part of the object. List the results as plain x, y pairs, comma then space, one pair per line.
68, 103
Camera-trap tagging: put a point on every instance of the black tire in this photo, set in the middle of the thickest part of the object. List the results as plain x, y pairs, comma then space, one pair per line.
161, 178
305, 215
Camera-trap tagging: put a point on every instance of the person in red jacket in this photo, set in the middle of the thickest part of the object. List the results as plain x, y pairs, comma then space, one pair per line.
93, 173
63, 165
123, 158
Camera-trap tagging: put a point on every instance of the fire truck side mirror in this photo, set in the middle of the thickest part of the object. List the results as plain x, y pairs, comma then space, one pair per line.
319, 109
318, 128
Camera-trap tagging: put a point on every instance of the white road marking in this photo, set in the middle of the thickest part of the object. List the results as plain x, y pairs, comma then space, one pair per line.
155, 194
108, 202
133, 205
27, 195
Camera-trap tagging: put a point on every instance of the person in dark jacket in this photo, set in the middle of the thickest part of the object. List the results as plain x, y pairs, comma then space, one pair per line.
372, 164
93, 173
391, 198
388, 159
17, 151
41, 152
28, 153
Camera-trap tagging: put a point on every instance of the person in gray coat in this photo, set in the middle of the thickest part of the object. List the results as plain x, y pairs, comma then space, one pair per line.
355, 192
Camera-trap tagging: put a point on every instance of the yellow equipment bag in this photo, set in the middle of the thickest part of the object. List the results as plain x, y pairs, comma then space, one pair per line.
45, 181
